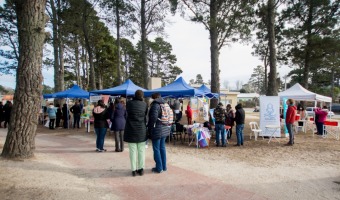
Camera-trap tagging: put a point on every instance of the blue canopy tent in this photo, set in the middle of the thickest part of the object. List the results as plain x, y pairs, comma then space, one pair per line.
128, 88
207, 92
178, 88
74, 92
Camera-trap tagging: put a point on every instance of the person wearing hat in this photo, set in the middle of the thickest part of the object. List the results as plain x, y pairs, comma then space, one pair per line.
219, 115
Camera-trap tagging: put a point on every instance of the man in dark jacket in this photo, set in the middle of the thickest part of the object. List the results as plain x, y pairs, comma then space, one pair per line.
158, 133
239, 119
1, 113
135, 132
219, 115
76, 110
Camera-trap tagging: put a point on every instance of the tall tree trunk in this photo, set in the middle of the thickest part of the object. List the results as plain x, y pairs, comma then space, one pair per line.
118, 43
92, 85
272, 84
76, 55
54, 21
87, 71
265, 72
126, 67
308, 45
61, 53
214, 53
83, 64
31, 20
143, 43
62, 67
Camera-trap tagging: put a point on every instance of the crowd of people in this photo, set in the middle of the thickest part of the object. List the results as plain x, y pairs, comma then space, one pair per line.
57, 115
228, 117
320, 116
136, 122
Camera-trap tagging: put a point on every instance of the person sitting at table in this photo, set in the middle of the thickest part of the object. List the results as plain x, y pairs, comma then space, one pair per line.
322, 115
301, 111
290, 119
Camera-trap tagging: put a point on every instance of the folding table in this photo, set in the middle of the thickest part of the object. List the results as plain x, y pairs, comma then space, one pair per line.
271, 130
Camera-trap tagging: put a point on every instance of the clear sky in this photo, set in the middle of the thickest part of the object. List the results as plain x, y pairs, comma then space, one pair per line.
191, 45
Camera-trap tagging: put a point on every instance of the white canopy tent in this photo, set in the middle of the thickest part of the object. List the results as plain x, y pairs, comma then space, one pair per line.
299, 93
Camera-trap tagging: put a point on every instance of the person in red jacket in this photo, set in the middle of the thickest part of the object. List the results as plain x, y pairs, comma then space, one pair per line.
189, 114
290, 119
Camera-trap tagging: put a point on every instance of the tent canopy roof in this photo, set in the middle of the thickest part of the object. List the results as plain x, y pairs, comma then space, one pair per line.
297, 92
178, 88
74, 92
128, 88
207, 91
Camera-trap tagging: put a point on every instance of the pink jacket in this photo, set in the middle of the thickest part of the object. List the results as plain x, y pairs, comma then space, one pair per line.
322, 114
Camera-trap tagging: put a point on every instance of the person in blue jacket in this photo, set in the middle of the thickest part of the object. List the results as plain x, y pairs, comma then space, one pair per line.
52, 114
158, 133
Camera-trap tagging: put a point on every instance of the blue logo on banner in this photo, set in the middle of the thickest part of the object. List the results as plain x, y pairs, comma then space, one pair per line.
270, 112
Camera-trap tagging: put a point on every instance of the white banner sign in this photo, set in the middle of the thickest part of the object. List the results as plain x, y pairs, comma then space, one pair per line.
270, 116
206, 111
95, 98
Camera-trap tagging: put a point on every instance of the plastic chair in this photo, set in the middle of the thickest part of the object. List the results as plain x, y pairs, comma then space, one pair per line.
255, 129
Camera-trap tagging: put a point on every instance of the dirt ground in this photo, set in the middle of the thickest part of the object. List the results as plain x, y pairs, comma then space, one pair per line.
66, 166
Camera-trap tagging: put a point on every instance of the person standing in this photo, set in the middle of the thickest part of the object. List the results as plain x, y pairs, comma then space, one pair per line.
303, 116
219, 115
229, 119
52, 113
100, 115
290, 119
76, 111
66, 115
239, 119
176, 107
188, 112
1, 113
322, 116
135, 132
158, 133
118, 124
7, 113
81, 105
59, 116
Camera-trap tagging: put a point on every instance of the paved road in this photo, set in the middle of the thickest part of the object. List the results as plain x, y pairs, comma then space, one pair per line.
111, 171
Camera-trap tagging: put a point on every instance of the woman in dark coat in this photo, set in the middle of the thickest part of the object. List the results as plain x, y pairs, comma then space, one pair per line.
59, 116
118, 124
158, 132
66, 115
101, 116
135, 132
